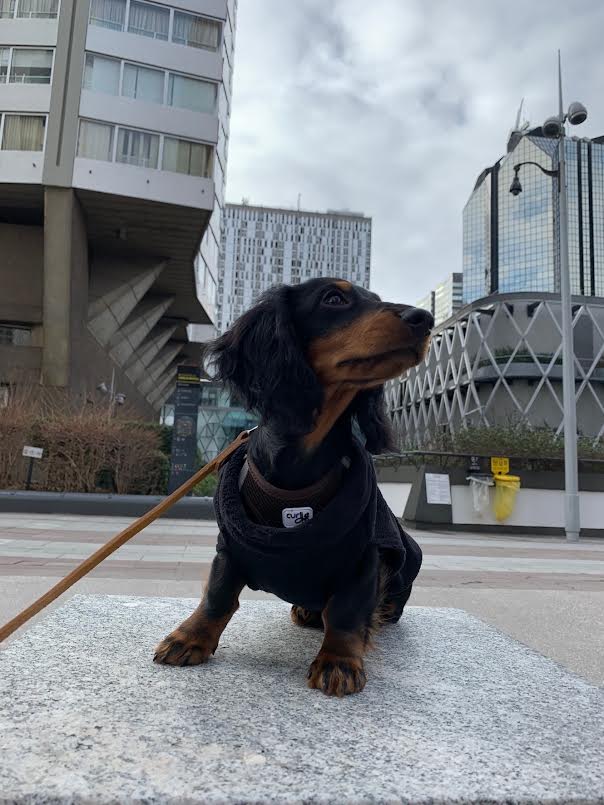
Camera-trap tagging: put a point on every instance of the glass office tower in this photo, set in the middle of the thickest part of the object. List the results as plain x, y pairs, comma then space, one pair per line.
512, 243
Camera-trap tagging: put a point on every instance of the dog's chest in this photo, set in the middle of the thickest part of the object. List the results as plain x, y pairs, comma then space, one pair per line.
269, 505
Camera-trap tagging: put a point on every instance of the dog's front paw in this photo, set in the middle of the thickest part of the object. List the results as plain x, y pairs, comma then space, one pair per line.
182, 648
335, 675
306, 617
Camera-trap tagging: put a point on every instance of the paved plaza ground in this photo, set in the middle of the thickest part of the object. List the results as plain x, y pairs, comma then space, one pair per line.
545, 593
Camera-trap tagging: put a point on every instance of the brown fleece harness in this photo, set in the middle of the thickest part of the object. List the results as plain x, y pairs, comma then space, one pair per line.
269, 505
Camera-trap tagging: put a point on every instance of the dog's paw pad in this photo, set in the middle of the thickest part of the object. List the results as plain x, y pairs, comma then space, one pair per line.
337, 676
179, 648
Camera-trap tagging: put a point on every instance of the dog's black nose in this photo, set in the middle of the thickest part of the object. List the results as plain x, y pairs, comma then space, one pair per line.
418, 320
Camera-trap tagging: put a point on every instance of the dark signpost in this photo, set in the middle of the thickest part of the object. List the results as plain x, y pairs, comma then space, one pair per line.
474, 464
184, 434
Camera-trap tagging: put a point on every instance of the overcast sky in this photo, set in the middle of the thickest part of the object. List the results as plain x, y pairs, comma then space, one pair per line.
393, 107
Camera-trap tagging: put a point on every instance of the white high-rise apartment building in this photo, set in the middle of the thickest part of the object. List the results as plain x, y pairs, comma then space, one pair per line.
265, 246
114, 125
446, 298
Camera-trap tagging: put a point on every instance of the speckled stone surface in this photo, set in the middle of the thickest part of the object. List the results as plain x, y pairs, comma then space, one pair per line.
453, 712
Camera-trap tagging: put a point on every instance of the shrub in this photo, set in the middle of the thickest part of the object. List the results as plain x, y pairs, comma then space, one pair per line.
85, 450
207, 487
533, 448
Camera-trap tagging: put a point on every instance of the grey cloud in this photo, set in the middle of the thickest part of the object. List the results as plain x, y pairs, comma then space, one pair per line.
395, 107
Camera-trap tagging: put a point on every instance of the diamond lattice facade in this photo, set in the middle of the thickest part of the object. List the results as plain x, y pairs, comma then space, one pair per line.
500, 359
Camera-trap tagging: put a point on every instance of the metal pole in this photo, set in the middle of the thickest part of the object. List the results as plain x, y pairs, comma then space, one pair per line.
111, 395
30, 471
571, 469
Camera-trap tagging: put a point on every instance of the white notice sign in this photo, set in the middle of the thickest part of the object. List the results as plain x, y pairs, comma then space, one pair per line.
438, 489
33, 452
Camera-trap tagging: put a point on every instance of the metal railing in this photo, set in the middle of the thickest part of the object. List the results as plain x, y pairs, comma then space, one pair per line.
407, 457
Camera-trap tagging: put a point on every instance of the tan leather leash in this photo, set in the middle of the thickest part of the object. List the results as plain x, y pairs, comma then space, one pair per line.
106, 550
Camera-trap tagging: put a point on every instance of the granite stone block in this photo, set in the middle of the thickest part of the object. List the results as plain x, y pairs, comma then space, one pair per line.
453, 712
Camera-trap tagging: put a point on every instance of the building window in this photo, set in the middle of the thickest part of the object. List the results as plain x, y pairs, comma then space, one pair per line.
4, 62
95, 141
196, 32
137, 148
143, 83
28, 66
14, 336
108, 14
189, 93
102, 74
147, 19
23, 133
41, 9
182, 156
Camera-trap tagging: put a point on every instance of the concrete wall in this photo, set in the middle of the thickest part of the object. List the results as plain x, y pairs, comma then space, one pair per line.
143, 183
21, 267
25, 98
29, 32
95, 366
539, 504
535, 508
20, 364
21, 167
65, 298
62, 126
151, 116
396, 496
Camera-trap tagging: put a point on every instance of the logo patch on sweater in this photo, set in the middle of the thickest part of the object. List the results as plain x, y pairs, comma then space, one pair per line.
297, 516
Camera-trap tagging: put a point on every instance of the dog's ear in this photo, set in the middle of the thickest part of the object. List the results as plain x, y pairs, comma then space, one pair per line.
369, 409
260, 357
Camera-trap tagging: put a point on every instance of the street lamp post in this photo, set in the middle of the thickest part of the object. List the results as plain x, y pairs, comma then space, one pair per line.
554, 127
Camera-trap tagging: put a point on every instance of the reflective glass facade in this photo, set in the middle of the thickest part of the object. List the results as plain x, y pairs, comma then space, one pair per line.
525, 222
477, 241
597, 183
221, 418
510, 243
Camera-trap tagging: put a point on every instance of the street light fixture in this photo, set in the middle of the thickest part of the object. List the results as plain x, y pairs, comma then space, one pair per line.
115, 398
554, 127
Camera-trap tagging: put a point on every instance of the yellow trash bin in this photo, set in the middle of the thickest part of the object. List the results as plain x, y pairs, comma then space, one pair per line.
506, 489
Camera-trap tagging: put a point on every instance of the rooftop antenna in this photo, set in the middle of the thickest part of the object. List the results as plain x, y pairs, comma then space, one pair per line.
518, 116
299, 200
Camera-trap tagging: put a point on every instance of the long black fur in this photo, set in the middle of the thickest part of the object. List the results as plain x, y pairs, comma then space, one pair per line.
262, 359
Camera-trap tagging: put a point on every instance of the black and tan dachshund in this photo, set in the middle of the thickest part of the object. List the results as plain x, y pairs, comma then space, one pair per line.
311, 361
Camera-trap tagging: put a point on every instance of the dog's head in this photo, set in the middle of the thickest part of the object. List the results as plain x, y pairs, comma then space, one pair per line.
325, 343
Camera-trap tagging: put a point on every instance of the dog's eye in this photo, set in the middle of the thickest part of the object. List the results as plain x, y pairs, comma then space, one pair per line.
334, 298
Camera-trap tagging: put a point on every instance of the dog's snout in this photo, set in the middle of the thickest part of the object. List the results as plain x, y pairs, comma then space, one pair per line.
418, 320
